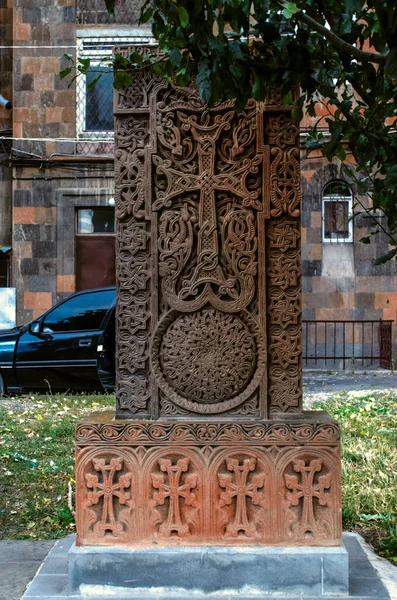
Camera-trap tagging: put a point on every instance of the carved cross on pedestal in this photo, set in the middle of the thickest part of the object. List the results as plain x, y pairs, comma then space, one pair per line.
241, 490
307, 490
208, 271
174, 491
108, 490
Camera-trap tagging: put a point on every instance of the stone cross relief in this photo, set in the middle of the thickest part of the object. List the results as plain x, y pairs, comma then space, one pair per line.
241, 489
108, 490
174, 490
208, 273
307, 491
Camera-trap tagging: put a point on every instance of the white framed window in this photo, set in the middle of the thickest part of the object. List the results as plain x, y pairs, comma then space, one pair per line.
95, 107
337, 213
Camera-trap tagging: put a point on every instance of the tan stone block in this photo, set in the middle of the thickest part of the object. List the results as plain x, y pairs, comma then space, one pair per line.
50, 148
24, 215
65, 98
21, 114
22, 249
323, 285
303, 236
346, 300
17, 129
69, 115
53, 115
366, 284
31, 65
37, 300
325, 314
316, 251
46, 216
50, 64
44, 82
316, 219
66, 283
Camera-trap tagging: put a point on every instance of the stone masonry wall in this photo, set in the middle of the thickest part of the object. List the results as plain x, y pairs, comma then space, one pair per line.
340, 281
5, 120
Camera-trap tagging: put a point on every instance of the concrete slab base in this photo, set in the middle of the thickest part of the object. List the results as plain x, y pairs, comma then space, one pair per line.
208, 572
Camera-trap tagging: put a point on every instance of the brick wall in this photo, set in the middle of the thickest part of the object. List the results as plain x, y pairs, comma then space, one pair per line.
5, 120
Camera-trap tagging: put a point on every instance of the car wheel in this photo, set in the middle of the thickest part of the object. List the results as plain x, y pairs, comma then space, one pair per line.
2, 386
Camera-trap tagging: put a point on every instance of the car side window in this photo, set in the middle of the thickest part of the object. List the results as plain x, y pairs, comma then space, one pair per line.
81, 313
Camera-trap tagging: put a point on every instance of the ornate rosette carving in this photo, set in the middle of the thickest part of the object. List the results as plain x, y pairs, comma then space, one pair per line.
208, 361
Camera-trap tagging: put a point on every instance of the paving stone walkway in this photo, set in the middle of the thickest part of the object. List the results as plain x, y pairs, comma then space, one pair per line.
366, 582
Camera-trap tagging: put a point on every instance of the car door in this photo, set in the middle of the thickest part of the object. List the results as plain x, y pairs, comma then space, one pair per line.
62, 353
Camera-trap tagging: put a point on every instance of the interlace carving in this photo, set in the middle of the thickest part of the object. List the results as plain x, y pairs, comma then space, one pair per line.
304, 490
197, 163
174, 490
205, 190
107, 490
241, 489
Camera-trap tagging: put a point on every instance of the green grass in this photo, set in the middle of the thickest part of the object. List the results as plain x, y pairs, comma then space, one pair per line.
37, 464
369, 465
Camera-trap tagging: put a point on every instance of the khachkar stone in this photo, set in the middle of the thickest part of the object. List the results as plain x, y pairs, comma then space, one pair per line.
209, 444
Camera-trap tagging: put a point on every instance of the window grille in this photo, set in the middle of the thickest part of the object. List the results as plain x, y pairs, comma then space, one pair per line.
93, 12
337, 223
95, 123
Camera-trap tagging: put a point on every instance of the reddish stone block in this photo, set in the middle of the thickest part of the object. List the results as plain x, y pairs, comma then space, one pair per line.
37, 300
66, 283
24, 215
266, 483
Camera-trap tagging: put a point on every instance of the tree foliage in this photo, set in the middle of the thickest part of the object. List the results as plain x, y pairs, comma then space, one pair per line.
340, 52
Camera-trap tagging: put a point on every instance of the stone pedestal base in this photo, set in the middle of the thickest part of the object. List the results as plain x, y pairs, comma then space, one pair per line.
208, 572
164, 483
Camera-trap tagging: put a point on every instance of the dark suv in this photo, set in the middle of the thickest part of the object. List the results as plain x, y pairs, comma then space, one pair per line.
70, 347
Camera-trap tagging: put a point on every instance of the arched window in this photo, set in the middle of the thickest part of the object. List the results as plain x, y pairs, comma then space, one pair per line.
337, 213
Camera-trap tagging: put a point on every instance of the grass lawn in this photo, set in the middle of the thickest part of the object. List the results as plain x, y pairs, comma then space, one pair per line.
37, 463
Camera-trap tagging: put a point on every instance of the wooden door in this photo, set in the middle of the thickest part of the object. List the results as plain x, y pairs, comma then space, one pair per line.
95, 261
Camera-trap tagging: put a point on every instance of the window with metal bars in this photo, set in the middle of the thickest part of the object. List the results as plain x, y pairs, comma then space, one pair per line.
337, 223
95, 123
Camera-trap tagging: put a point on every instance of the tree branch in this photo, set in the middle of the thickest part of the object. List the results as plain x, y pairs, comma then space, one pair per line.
360, 55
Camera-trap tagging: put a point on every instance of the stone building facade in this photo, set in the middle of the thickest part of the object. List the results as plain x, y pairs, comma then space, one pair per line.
56, 183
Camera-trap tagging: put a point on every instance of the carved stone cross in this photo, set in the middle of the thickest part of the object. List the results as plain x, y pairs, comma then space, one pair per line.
208, 271
174, 491
307, 490
108, 490
241, 490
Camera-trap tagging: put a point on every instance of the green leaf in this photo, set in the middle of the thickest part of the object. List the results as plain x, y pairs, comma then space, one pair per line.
146, 15
366, 239
385, 257
93, 83
67, 57
183, 16
110, 7
122, 79
203, 82
175, 57
259, 87
65, 72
